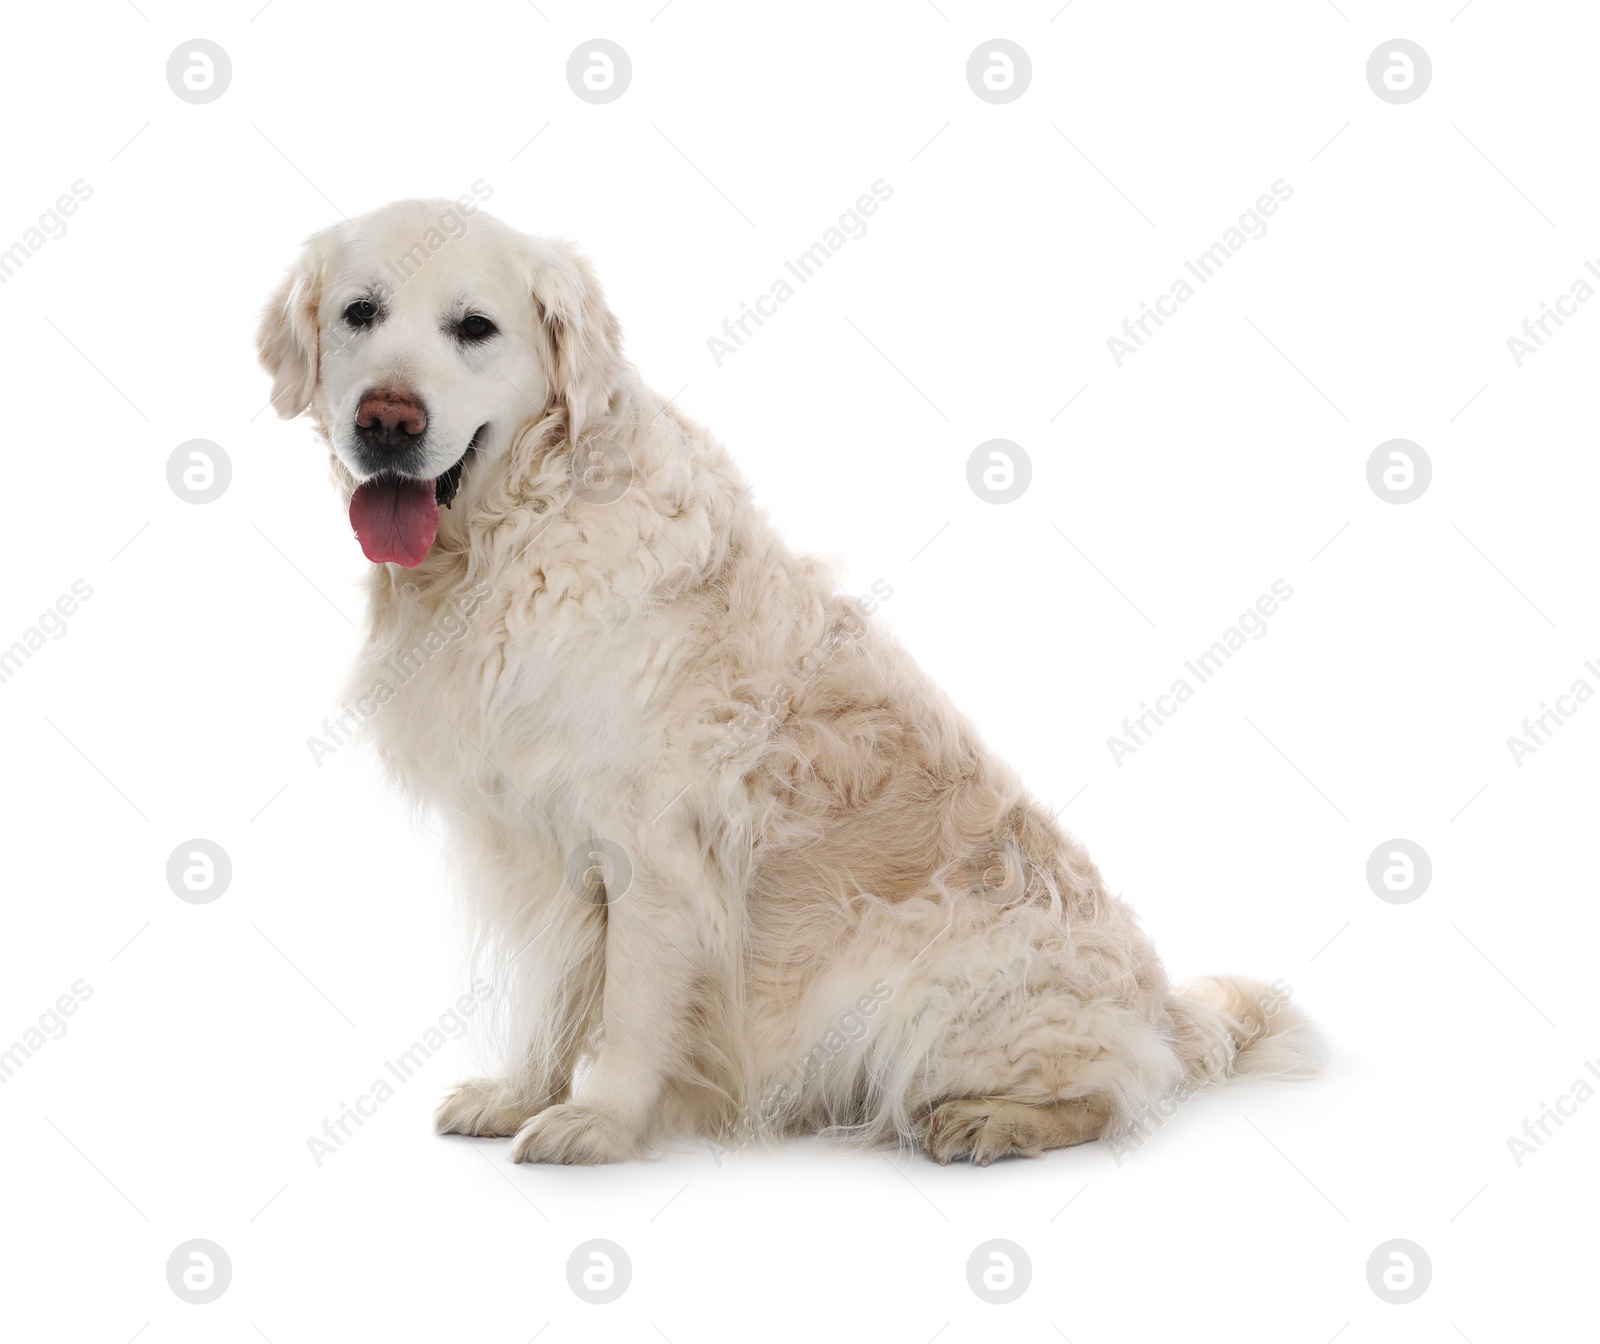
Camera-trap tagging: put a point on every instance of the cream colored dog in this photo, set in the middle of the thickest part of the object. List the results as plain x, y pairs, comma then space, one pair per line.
744, 870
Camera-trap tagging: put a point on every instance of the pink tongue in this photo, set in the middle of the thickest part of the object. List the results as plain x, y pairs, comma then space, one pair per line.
395, 519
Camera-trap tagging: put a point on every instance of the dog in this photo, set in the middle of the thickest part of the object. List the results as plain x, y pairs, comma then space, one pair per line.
739, 868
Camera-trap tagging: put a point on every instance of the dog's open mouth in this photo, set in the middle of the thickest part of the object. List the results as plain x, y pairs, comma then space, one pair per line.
396, 518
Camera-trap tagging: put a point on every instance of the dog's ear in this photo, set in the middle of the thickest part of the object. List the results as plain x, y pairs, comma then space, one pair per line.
287, 340
581, 336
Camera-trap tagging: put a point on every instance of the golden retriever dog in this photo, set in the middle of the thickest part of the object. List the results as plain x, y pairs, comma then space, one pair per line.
740, 868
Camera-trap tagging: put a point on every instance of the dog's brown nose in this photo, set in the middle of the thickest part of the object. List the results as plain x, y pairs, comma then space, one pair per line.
388, 418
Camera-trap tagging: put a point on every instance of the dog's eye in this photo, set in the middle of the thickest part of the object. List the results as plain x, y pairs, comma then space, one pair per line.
361, 313
475, 327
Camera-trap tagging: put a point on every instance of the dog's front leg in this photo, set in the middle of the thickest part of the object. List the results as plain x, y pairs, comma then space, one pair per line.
554, 972
670, 981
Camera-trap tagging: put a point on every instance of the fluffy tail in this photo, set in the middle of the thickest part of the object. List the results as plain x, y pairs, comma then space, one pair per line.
1227, 1026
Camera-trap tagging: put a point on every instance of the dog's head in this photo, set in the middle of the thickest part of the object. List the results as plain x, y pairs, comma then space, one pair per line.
423, 337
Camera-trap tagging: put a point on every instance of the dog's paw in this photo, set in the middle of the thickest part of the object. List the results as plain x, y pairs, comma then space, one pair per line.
981, 1130
574, 1133
483, 1107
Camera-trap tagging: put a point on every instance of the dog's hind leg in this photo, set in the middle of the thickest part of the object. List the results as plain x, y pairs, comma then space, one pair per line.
984, 1128
1041, 1068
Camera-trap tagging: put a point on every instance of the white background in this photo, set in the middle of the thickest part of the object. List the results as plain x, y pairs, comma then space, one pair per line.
1229, 452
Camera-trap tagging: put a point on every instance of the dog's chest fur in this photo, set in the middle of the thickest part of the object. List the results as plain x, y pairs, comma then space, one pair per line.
516, 704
